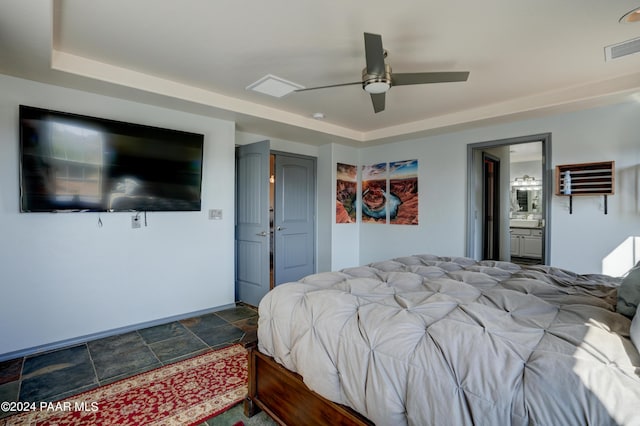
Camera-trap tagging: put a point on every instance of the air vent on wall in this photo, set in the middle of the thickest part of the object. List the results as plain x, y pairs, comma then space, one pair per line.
619, 50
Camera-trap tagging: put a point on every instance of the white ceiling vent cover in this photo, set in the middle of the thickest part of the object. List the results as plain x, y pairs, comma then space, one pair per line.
619, 50
274, 86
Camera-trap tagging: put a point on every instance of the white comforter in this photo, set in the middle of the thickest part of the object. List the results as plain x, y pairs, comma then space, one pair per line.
426, 340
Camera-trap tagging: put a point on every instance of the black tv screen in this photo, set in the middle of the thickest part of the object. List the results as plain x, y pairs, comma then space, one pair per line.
72, 162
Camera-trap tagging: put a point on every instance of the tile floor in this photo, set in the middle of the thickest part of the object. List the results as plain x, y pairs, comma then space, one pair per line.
61, 373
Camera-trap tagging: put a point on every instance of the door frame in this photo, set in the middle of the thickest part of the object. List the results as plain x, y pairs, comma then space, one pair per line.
472, 201
490, 191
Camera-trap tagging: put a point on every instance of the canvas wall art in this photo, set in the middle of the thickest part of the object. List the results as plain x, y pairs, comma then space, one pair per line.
374, 193
346, 193
403, 192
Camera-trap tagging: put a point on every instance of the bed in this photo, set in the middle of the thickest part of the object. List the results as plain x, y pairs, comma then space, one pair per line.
425, 339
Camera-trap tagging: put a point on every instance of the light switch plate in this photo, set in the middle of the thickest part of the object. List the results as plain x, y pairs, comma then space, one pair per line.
215, 214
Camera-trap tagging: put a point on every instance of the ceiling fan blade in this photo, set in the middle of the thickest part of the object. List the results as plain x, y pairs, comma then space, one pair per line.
326, 87
374, 53
378, 101
403, 79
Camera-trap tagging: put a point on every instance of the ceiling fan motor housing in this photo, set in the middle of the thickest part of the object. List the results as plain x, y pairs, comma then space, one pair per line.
376, 77
376, 84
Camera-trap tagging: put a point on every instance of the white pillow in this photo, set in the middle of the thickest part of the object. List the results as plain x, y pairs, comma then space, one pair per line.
629, 293
635, 330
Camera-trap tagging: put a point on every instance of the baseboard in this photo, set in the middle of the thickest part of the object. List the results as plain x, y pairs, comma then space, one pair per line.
83, 339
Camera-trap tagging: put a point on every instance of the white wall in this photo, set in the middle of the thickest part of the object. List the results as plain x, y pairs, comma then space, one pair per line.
62, 276
325, 215
442, 195
345, 247
291, 147
580, 242
528, 168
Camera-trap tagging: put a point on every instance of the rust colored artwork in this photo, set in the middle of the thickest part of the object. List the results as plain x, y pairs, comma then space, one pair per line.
346, 189
403, 191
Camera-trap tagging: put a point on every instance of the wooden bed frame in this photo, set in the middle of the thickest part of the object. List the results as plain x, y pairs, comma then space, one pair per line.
285, 398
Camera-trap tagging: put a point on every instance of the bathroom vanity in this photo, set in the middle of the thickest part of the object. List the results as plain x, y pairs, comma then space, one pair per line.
526, 238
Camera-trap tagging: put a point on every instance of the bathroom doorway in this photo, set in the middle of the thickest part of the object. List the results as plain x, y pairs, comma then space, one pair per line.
509, 193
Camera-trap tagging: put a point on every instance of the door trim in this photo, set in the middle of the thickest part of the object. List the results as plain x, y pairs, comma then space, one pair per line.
491, 190
471, 231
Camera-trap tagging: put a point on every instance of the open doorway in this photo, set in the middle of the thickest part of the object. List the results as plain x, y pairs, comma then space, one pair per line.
509, 193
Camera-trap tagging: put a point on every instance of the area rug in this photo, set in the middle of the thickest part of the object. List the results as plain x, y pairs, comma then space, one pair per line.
184, 393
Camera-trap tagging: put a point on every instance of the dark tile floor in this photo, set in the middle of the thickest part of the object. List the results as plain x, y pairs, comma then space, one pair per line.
68, 371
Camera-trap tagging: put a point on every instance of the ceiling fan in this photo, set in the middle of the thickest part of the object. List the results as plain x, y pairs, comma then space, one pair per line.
377, 77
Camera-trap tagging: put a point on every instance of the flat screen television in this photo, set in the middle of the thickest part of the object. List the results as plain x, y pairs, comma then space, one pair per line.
71, 162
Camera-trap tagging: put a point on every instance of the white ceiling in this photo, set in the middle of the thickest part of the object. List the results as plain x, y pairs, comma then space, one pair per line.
522, 152
525, 58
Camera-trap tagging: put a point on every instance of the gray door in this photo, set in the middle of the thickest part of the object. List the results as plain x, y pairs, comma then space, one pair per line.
294, 218
252, 222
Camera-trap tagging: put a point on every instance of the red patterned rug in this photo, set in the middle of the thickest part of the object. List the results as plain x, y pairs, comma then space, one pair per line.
185, 393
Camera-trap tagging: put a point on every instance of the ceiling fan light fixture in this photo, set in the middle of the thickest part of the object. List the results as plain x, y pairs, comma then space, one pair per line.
376, 86
631, 16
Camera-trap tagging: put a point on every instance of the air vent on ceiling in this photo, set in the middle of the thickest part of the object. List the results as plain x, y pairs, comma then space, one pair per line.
619, 50
274, 86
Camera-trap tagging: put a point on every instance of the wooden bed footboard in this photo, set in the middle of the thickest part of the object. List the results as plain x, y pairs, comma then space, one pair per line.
283, 396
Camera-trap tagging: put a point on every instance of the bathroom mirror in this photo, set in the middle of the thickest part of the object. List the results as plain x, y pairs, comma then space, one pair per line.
525, 200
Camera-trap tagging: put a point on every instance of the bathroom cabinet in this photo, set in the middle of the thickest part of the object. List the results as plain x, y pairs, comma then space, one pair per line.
526, 242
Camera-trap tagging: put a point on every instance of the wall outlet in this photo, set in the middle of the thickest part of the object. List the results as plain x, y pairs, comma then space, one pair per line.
135, 222
215, 214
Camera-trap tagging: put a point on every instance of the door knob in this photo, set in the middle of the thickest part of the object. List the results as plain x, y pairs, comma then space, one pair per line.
262, 234
280, 228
